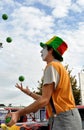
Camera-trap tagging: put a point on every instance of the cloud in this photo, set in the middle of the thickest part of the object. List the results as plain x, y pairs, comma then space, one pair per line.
61, 8
33, 20
81, 3
28, 24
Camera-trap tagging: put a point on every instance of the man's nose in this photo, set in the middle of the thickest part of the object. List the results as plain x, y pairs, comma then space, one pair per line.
41, 51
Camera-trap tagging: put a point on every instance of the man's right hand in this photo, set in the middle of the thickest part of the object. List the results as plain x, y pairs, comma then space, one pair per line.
25, 90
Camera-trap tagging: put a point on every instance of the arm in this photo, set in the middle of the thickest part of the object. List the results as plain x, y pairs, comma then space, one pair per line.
47, 91
27, 91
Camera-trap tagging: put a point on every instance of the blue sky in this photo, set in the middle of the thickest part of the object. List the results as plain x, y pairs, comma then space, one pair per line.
29, 23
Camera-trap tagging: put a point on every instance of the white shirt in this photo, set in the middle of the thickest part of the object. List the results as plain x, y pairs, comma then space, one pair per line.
50, 76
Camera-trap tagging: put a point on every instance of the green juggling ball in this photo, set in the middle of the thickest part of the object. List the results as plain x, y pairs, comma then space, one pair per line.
21, 78
9, 39
5, 16
7, 119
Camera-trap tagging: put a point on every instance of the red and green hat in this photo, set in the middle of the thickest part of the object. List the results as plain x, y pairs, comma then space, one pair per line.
57, 44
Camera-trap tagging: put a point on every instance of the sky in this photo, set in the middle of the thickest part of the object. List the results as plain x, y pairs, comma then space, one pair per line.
29, 23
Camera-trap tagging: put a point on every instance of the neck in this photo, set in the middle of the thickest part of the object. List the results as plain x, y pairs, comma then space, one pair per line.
50, 60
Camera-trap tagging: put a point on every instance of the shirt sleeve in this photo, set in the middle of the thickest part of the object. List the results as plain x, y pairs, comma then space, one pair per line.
50, 76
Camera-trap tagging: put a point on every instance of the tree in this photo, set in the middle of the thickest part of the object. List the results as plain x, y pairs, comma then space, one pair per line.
10, 105
2, 105
75, 88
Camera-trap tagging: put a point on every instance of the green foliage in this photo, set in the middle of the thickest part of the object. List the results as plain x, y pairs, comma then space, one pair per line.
40, 87
75, 88
2, 105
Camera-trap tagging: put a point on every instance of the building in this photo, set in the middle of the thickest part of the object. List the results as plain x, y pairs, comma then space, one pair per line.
81, 84
40, 115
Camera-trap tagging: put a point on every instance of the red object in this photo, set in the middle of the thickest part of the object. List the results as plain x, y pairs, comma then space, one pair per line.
31, 127
47, 117
62, 48
80, 106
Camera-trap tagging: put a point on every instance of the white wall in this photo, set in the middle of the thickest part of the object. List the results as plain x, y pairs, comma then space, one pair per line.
81, 83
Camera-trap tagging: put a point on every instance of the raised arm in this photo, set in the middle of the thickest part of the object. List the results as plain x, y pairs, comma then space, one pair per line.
47, 91
27, 91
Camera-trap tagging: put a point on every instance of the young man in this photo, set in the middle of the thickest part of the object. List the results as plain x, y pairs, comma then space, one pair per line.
57, 93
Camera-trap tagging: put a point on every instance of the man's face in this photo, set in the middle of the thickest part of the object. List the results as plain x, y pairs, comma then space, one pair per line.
44, 53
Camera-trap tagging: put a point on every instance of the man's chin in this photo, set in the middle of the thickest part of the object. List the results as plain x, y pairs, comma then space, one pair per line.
43, 59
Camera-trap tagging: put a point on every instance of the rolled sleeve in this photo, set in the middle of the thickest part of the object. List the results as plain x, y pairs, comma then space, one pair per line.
50, 76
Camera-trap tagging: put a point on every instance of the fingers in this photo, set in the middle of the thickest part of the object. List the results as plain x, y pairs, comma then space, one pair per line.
8, 119
10, 123
14, 118
27, 88
21, 87
8, 115
18, 86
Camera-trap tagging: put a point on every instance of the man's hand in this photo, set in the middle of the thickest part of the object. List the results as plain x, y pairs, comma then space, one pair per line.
14, 118
25, 90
